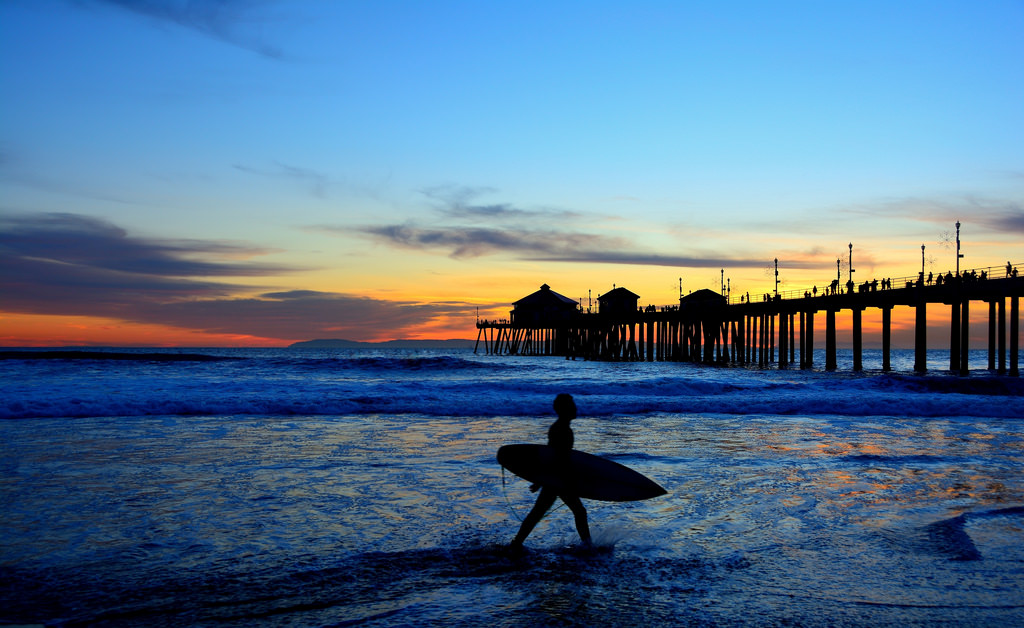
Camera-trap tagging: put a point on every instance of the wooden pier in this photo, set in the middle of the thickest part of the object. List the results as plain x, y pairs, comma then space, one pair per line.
778, 331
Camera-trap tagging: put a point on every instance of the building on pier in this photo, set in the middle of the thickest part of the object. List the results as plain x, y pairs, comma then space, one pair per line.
702, 299
542, 308
618, 302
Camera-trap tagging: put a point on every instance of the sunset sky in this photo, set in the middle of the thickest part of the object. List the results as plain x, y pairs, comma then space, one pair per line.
253, 173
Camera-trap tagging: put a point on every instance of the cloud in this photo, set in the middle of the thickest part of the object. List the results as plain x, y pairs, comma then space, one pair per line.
544, 235
654, 259
996, 215
223, 20
1011, 221
304, 314
469, 229
455, 201
317, 181
70, 264
545, 246
15, 170
83, 242
463, 242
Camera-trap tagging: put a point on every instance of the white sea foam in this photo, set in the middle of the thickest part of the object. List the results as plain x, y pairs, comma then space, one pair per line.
460, 384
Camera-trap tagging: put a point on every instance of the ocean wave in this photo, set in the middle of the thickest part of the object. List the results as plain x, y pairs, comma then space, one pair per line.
249, 382
479, 400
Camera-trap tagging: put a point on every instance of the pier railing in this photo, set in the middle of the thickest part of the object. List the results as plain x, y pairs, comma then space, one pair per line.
888, 283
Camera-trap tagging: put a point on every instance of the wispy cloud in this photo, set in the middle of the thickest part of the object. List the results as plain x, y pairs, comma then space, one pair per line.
304, 314
473, 229
460, 202
318, 182
562, 246
1011, 221
467, 242
655, 259
997, 215
70, 264
73, 264
228, 21
16, 170
88, 242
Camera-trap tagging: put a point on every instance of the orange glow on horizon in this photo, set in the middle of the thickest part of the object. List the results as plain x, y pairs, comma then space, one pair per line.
24, 330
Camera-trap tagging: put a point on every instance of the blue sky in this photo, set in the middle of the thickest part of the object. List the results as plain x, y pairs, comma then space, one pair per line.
410, 154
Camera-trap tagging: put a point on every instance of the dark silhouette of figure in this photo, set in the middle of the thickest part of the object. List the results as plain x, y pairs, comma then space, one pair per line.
561, 438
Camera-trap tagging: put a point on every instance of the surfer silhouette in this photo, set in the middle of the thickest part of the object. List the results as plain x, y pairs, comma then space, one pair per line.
561, 439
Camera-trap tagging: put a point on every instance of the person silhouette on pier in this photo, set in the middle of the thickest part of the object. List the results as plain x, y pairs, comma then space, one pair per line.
561, 438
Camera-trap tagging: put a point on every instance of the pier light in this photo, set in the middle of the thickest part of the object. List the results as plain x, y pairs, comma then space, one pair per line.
959, 255
851, 262
776, 276
922, 260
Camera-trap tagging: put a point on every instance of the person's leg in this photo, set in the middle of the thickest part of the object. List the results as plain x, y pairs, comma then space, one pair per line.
544, 501
580, 514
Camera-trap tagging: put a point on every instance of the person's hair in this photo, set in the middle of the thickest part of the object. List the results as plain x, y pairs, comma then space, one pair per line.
565, 406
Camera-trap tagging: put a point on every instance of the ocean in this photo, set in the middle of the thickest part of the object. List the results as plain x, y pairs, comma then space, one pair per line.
288, 487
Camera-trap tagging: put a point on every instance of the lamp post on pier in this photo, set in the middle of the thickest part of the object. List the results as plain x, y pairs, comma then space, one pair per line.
849, 284
776, 276
958, 253
922, 260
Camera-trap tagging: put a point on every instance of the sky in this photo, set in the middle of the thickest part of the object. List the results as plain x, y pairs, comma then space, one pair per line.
255, 173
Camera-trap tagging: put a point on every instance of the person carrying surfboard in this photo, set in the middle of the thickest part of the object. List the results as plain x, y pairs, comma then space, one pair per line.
561, 439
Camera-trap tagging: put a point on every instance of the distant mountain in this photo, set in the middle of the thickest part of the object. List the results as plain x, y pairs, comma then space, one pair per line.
332, 343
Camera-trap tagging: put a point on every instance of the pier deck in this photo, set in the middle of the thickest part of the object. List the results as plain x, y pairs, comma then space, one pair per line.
779, 330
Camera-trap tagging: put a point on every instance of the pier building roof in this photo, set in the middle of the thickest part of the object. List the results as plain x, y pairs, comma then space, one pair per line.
701, 296
545, 296
618, 294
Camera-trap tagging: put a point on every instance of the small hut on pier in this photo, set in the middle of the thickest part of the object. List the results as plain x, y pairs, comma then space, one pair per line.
543, 308
702, 300
618, 303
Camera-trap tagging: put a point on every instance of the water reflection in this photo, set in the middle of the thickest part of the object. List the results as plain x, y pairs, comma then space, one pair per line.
789, 511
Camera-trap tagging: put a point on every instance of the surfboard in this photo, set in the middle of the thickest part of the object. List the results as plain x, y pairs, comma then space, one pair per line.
588, 476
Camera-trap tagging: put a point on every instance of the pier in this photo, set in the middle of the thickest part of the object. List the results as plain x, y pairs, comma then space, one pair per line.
778, 330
